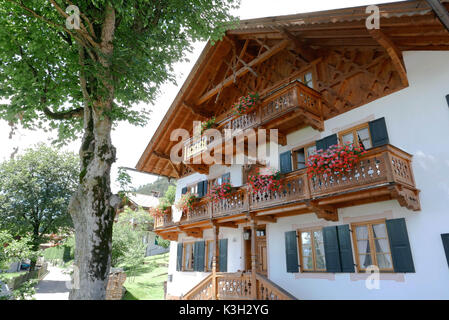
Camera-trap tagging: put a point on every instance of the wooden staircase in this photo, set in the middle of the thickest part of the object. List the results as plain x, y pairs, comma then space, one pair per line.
237, 286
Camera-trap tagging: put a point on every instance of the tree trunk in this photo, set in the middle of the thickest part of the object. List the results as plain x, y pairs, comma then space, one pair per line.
93, 205
93, 209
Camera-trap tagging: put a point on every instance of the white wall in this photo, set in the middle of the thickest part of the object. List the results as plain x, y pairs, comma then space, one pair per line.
417, 120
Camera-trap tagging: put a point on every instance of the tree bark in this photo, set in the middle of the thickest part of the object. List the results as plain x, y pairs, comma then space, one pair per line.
93, 205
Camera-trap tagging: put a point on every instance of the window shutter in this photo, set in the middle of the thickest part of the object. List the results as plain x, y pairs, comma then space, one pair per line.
331, 249
223, 258
378, 131
291, 252
200, 189
400, 245
226, 178
286, 162
179, 258
445, 238
199, 256
326, 142
205, 187
344, 243
184, 190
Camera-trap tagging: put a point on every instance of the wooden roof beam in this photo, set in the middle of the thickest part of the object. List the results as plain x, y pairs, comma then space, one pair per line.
394, 53
440, 11
244, 70
306, 54
196, 112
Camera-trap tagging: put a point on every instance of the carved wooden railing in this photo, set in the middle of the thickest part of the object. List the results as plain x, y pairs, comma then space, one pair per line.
237, 286
164, 220
236, 203
380, 166
268, 290
202, 291
274, 105
293, 188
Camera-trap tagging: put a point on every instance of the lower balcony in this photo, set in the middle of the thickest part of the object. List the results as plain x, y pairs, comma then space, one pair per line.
383, 173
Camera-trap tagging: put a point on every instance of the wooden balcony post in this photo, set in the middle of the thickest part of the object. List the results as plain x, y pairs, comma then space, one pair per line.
253, 259
215, 261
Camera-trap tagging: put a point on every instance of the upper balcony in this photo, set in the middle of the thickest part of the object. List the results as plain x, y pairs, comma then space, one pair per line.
383, 173
290, 106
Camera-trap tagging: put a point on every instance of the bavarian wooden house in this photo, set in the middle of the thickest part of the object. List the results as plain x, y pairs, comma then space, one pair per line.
322, 79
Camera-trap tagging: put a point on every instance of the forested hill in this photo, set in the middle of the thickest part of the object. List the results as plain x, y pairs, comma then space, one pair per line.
160, 185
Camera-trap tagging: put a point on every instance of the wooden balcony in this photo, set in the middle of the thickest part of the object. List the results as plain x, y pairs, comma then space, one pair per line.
290, 106
237, 286
383, 173
164, 220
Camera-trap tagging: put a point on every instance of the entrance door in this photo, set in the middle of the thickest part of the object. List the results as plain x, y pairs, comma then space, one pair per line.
261, 250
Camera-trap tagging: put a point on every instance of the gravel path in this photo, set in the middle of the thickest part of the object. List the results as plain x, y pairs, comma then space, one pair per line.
53, 286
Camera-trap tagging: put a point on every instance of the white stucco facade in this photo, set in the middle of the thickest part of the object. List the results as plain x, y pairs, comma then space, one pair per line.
417, 119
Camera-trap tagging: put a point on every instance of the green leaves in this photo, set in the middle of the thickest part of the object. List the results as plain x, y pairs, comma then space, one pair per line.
35, 189
40, 64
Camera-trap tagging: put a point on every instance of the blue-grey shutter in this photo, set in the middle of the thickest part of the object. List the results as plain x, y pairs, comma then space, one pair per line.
445, 239
200, 189
226, 178
326, 142
199, 255
345, 246
184, 190
378, 131
179, 258
331, 249
223, 255
291, 252
400, 245
205, 187
286, 162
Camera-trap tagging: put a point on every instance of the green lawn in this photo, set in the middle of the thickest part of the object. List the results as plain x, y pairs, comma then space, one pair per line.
148, 283
10, 275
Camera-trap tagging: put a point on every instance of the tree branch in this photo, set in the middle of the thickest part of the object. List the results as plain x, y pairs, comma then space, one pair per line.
65, 115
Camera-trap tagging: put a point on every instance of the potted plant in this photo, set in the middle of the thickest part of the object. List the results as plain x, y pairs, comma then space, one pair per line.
186, 201
245, 104
208, 124
219, 192
161, 210
337, 159
265, 181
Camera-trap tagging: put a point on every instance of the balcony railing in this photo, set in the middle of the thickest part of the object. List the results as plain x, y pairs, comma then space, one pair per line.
164, 220
385, 166
273, 106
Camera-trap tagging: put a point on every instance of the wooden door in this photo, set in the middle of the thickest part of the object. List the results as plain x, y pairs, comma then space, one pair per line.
261, 251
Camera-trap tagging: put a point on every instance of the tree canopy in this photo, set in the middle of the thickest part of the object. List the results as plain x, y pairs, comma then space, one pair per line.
35, 190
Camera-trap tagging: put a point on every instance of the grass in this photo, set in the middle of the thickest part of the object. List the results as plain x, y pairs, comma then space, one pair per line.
11, 275
148, 281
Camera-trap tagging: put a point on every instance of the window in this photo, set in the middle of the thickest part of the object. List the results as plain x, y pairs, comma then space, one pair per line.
372, 246
301, 156
209, 255
359, 136
311, 246
307, 79
188, 256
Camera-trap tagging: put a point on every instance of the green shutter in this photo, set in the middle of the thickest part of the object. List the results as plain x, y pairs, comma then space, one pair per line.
400, 245
344, 243
331, 249
184, 190
291, 252
199, 256
445, 239
179, 258
205, 187
200, 189
286, 162
326, 142
378, 131
223, 259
